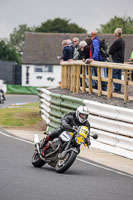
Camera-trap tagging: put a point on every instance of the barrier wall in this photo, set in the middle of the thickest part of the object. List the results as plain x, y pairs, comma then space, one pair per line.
19, 89
114, 125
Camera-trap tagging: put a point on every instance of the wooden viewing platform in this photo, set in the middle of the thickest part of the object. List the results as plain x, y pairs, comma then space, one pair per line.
73, 77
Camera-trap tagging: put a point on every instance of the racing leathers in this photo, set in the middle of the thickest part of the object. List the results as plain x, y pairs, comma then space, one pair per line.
67, 123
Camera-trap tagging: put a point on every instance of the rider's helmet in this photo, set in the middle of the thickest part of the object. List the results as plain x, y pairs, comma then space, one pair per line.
82, 114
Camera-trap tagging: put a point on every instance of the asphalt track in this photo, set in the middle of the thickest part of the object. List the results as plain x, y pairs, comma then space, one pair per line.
84, 180
19, 99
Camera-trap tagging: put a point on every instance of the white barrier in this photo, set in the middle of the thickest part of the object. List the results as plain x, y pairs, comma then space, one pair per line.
45, 98
109, 111
114, 125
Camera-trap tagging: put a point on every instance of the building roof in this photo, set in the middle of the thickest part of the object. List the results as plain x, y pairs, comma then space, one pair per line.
43, 48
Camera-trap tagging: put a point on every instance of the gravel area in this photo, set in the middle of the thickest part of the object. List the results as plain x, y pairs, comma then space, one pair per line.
94, 97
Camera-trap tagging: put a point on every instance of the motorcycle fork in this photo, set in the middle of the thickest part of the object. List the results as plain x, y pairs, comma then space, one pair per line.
67, 149
68, 144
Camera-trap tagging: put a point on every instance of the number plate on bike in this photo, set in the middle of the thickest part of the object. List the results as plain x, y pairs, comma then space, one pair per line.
82, 134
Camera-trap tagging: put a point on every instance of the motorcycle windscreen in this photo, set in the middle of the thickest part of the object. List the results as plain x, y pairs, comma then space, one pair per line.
82, 134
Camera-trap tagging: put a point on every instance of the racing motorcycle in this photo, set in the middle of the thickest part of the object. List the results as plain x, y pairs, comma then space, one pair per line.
61, 152
2, 96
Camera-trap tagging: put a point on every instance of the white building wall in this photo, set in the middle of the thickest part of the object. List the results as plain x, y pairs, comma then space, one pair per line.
46, 77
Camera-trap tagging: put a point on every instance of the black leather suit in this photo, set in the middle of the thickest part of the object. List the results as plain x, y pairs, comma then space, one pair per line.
67, 123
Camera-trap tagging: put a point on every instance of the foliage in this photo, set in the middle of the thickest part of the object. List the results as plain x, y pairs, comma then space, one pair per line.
17, 37
59, 25
8, 52
117, 22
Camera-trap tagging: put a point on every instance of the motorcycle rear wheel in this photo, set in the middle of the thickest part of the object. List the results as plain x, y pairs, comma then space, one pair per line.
36, 160
66, 162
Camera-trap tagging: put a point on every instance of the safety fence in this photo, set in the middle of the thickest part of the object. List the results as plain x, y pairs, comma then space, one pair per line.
114, 125
54, 106
77, 76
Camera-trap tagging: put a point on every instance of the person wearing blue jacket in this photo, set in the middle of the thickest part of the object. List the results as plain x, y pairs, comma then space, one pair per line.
96, 56
67, 51
95, 49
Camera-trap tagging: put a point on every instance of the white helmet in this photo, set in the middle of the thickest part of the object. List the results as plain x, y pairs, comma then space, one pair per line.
82, 113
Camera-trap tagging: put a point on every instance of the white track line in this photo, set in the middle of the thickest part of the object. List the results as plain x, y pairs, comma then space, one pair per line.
84, 161
15, 137
106, 168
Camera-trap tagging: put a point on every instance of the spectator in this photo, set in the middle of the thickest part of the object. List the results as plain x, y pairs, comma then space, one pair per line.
84, 51
117, 51
67, 51
95, 54
76, 48
88, 41
69, 42
131, 60
131, 57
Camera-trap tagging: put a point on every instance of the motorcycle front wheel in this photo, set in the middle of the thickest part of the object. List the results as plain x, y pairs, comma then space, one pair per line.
63, 164
36, 160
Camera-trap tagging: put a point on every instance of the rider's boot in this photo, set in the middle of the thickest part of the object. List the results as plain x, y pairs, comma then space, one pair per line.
43, 145
44, 142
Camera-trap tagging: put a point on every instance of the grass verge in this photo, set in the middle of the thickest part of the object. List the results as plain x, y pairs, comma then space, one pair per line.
23, 117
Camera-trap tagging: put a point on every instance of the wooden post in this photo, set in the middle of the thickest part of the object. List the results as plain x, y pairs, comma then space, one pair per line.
69, 76
109, 83
64, 77
125, 86
78, 69
74, 79
83, 78
90, 80
99, 81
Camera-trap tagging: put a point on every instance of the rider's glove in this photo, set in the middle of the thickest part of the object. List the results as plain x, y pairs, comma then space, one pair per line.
68, 127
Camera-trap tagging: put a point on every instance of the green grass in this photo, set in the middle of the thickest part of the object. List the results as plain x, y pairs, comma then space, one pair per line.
24, 116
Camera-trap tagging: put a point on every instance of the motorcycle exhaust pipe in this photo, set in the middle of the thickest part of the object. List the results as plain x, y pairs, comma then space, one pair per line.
37, 142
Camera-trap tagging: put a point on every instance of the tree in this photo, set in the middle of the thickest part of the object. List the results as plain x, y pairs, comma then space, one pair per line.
8, 52
17, 37
59, 25
117, 22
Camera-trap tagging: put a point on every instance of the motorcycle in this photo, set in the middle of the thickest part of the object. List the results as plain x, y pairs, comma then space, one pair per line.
2, 96
61, 152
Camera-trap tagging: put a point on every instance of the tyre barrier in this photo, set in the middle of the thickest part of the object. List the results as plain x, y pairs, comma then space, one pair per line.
112, 124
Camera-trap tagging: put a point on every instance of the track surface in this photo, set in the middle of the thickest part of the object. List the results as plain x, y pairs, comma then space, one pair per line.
20, 180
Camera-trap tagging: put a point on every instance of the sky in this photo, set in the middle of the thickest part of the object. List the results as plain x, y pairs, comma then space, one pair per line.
88, 14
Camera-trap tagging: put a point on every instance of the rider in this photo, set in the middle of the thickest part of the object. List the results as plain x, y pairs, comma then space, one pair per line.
77, 118
2, 96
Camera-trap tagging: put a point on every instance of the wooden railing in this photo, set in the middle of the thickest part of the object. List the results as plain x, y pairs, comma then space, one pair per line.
73, 77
